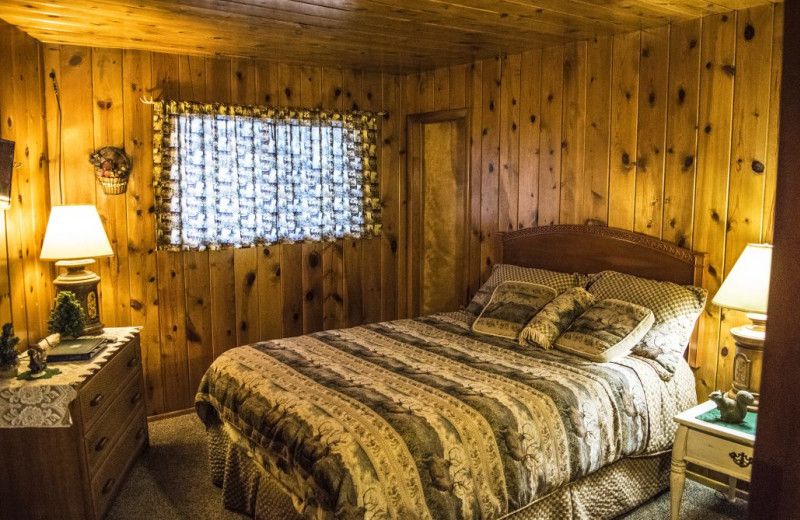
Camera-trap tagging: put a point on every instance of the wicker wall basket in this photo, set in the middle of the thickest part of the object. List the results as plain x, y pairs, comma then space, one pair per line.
113, 185
112, 167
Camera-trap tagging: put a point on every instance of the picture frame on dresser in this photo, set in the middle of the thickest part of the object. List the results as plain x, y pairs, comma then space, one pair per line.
79, 433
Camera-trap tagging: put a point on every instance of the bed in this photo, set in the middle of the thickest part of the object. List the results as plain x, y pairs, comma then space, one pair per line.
425, 418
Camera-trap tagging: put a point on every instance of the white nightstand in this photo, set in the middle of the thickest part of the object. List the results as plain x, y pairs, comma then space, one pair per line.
712, 445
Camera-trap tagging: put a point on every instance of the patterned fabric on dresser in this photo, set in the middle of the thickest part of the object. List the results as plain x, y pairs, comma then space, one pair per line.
45, 403
555, 317
511, 307
675, 309
424, 419
608, 329
514, 273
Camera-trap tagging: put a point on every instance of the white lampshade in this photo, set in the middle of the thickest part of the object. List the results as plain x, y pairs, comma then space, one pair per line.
746, 288
74, 233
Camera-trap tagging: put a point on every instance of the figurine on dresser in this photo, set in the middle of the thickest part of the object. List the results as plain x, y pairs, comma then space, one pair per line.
37, 357
732, 410
37, 360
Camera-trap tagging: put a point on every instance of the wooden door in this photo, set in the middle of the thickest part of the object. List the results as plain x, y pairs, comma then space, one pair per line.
439, 194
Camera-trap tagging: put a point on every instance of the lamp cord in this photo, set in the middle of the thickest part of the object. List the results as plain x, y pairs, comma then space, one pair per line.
58, 136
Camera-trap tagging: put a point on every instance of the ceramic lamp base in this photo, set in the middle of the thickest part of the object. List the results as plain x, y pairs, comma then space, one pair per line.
83, 284
748, 359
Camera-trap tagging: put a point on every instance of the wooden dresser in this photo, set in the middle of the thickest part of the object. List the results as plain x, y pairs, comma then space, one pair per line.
75, 472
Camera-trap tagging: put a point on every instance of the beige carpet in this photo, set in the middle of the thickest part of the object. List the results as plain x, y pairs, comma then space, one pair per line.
171, 481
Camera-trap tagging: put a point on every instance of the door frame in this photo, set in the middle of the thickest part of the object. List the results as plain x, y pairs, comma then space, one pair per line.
414, 192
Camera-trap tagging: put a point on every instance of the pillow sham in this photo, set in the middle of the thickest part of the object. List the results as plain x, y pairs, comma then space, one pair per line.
511, 307
675, 309
507, 272
607, 330
555, 317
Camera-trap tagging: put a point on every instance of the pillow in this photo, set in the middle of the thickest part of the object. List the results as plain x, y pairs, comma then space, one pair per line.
507, 272
555, 317
511, 307
675, 309
609, 329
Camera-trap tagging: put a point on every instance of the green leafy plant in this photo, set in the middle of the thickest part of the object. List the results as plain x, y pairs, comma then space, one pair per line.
8, 347
67, 317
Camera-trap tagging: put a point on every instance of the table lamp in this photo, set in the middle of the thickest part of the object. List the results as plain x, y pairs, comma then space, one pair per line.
746, 289
74, 237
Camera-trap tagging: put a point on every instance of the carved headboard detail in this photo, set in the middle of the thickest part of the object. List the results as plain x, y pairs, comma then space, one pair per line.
591, 249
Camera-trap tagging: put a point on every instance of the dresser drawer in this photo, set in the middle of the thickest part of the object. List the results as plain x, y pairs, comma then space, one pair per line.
719, 454
111, 473
101, 437
99, 391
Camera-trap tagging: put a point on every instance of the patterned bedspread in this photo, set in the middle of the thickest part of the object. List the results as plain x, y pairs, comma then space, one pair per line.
425, 419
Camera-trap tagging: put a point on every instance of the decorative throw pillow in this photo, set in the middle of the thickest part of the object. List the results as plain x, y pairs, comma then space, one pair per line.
675, 309
511, 307
609, 329
555, 317
514, 273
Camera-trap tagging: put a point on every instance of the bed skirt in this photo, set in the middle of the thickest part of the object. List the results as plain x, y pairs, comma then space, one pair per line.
606, 493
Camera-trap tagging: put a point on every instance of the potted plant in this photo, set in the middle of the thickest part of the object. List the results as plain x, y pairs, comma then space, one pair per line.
67, 317
8, 352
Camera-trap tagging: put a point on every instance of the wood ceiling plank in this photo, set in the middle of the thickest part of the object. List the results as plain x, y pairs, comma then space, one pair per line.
139, 30
575, 13
221, 23
192, 19
400, 36
396, 61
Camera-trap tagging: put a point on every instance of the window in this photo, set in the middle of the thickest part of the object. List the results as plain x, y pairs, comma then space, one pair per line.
236, 176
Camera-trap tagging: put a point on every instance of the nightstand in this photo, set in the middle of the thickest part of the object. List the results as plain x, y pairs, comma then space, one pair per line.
713, 445
69, 441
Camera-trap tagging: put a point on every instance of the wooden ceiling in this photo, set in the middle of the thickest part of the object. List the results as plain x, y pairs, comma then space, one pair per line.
392, 35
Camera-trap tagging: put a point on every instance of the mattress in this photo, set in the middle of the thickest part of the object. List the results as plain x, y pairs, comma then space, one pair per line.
425, 419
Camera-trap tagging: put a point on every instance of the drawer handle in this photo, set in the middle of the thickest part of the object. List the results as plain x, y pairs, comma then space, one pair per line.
136, 397
140, 433
101, 444
96, 400
108, 485
740, 459
132, 361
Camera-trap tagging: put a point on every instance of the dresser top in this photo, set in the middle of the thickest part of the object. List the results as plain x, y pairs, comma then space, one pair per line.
45, 402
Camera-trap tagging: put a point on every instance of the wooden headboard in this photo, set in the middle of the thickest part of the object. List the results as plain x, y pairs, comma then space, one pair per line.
591, 249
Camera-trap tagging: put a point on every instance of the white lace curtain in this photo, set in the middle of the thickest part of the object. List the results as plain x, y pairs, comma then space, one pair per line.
235, 176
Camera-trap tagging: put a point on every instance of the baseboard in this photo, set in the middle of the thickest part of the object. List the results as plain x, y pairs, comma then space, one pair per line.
169, 415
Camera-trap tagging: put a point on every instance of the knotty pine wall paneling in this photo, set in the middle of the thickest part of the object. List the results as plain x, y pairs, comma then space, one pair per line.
175, 365
594, 195
193, 85
625, 57
573, 132
392, 180
333, 252
311, 96
25, 287
746, 195
669, 131
490, 156
195, 305
529, 132
137, 81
